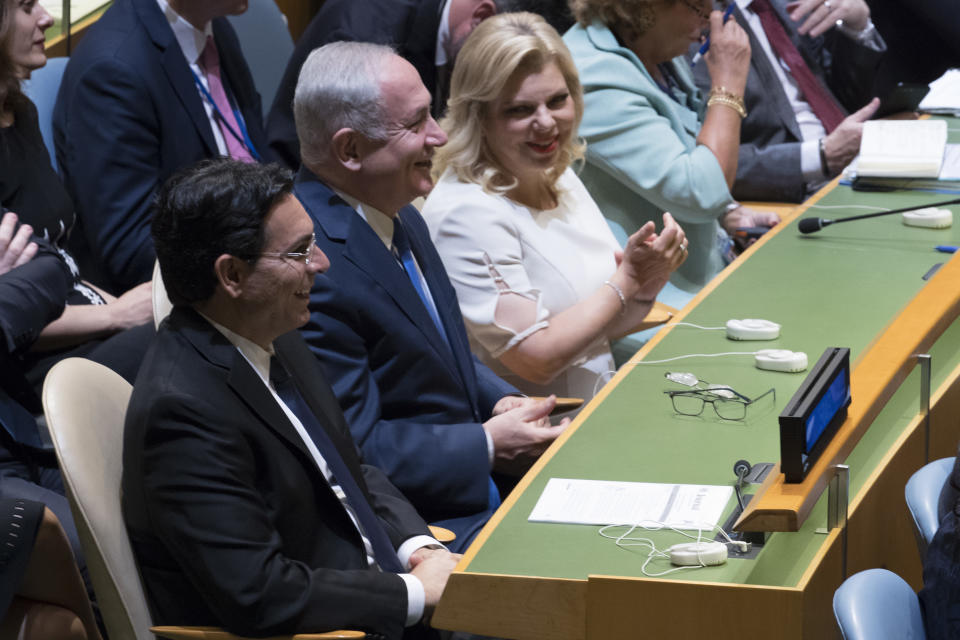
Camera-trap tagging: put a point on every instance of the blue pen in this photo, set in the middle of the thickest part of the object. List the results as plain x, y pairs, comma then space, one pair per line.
946, 248
706, 43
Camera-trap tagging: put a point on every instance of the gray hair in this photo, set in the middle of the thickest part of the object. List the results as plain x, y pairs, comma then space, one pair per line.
338, 88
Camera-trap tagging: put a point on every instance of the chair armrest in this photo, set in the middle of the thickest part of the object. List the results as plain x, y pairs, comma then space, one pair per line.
442, 535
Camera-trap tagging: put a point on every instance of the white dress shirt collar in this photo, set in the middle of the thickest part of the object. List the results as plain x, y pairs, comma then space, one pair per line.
380, 222
441, 57
191, 40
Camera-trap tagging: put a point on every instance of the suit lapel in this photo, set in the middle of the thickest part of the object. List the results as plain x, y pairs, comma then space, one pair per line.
241, 377
301, 364
447, 305
176, 69
767, 77
363, 249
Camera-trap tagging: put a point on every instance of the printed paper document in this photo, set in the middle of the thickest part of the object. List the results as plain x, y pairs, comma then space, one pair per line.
599, 502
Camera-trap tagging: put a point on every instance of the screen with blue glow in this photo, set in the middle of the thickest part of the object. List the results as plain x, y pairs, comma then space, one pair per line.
835, 398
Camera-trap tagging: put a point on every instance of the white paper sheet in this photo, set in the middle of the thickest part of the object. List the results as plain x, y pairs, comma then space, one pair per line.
599, 502
944, 93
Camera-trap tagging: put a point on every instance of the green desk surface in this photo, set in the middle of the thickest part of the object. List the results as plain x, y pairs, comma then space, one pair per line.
840, 287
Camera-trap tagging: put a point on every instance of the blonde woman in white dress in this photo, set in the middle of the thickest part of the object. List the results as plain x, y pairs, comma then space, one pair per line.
542, 283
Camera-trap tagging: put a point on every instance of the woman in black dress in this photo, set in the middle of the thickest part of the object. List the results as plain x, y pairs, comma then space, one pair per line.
95, 325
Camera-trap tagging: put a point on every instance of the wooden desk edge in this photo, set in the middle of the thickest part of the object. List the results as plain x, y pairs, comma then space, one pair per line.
779, 506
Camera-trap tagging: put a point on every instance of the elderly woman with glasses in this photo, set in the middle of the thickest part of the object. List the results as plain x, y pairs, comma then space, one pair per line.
541, 281
654, 143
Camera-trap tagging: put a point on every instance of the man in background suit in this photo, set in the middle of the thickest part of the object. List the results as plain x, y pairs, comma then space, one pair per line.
384, 320
428, 33
133, 108
245, 500
785, 149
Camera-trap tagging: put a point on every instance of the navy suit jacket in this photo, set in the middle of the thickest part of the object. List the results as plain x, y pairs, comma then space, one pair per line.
129, 115
410, 26
768, 166
414, 404
230, 519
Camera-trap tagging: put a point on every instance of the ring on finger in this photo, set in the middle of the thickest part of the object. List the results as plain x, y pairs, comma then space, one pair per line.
683, 248
828, 4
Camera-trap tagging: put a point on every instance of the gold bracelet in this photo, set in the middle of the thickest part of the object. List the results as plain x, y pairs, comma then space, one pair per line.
720, 95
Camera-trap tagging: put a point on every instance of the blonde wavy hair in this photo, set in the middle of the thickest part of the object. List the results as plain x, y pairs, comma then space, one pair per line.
498, 48
631, 17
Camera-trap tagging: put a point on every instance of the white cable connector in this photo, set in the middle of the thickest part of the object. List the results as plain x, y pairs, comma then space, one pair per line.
930, 218
685, 555
768, 359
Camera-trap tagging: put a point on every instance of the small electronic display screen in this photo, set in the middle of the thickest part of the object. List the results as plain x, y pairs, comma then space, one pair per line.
834, 398
814, 413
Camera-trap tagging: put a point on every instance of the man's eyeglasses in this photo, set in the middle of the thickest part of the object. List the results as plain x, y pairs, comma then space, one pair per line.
726, 403
697, 9
298, 256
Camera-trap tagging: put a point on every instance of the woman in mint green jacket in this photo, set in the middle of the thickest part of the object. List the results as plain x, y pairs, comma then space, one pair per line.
653, 143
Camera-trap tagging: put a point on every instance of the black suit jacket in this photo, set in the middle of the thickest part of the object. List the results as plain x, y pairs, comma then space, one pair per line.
129, 115
230, 519
768, 166
410, 26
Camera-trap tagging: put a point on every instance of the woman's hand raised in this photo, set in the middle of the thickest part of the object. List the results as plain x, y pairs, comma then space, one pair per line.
728, 59
649, 259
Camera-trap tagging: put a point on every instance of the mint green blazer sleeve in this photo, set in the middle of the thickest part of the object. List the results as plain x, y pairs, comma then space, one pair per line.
642, 154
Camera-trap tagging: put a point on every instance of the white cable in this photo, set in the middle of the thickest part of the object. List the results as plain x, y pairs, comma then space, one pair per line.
600, 377
624, 540
697, 355
696, 326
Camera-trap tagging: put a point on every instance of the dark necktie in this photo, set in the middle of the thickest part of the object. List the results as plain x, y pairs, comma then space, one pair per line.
402, 244
816, 95
383, 550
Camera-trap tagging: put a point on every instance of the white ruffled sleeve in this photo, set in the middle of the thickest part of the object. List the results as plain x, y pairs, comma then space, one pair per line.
482, 251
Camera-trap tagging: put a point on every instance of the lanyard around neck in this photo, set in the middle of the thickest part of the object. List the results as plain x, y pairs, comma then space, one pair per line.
244, 136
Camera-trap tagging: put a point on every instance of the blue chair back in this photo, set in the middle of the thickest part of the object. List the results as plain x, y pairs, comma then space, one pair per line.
877, 604
42, 88
923, 496
267, 46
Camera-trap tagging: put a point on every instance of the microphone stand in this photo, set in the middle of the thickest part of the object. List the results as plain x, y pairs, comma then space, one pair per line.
821, 223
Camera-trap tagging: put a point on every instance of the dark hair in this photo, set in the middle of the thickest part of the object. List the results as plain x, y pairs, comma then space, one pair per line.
10, 94
213, 208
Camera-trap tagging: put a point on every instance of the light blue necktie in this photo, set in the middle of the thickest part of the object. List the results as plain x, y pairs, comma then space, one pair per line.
402, 245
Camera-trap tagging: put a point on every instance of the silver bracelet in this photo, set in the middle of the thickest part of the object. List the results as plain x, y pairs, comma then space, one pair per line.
619, 292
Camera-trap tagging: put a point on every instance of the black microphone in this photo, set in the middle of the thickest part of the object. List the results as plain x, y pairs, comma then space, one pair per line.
741, 468
810, 225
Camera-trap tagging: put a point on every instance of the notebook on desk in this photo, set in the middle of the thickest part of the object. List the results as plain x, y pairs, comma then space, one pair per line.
905, 155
